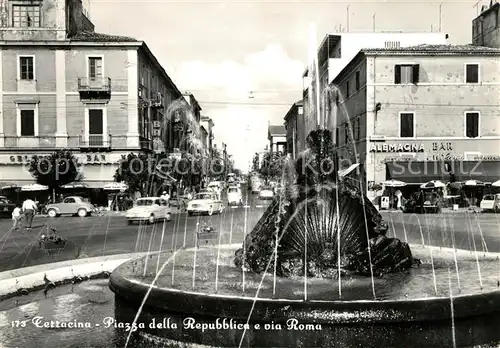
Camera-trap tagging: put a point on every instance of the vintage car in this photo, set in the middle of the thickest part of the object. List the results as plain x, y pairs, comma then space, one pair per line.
6, 207
234, 196
72, 205
266, 192
205, 203
149, 209
491, 202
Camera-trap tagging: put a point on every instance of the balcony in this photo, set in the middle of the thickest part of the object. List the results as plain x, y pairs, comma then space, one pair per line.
94, 142
157, 102
38, 142
94, 87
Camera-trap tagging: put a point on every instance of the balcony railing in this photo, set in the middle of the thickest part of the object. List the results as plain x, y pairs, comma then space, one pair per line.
94, 141
94, 84
41, 142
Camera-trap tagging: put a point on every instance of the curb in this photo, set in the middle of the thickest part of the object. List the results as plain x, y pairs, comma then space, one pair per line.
21, 281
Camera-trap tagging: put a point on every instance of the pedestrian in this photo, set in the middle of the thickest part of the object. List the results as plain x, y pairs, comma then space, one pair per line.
16, 217
29, 208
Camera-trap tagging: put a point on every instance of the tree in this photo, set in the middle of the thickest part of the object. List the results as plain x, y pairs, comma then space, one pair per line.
255, 162
59, 168
272, 165
138, 172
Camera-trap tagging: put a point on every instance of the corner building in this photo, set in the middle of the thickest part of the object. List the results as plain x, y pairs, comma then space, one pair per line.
416, 114
62, 85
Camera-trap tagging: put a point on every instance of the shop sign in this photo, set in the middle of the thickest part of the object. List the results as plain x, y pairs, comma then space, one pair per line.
24, 159
447, 156
408, 147
487, 158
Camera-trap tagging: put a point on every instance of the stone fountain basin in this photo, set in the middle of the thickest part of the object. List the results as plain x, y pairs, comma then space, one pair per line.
419, 295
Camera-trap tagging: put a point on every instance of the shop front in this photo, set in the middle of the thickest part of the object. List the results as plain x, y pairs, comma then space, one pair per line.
419, 161
96, 176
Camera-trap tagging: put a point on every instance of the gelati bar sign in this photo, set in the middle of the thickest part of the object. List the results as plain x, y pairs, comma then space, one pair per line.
408, 147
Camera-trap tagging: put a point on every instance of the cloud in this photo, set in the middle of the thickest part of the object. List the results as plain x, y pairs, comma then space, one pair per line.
223, 90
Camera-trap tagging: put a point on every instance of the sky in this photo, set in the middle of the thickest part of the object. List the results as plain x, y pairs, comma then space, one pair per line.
226, 51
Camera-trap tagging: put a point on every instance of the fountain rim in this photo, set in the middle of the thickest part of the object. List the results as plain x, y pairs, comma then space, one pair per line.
278, 300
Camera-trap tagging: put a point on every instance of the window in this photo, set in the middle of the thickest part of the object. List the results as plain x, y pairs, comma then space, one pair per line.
347, 93
357, 80
406, 73
356, 125
337, 99
95, 67
26, 16
27, 120
472, 124
407, 126
337, 135
471, 73
95, 126
26, 68
69, 200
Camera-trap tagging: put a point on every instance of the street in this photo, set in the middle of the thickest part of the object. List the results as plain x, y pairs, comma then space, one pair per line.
104, 235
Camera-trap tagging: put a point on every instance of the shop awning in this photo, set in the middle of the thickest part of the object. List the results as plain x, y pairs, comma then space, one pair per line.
485, 171
417, 172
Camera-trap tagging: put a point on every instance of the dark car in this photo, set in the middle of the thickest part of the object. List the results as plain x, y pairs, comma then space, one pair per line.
6, 207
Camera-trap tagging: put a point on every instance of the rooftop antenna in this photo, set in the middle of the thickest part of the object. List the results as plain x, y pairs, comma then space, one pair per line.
347, 22
440, 16
477, 7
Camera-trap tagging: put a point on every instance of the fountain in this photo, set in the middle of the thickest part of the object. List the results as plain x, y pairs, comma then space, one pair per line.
316, 270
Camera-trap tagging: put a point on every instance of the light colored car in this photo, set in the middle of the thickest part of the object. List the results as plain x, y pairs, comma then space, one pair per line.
491, 203
215, 186
70, 206
266, 192
150, 209
256, 186
234, 196
205, 203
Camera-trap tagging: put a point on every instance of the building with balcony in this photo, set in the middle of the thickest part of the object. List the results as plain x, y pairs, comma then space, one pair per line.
208, 124
422, 113
64, 86
294, 125
337, 50
277, 139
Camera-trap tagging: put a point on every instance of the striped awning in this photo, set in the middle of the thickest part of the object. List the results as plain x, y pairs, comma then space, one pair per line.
7, 185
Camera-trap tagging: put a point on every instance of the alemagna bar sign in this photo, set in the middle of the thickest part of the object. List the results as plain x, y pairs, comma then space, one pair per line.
381, 147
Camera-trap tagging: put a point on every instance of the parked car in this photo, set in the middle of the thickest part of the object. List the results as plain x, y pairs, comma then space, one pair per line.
256, 185
266, 192
72, 205
234, 196
205, 203
491, 203
6, 207
149, 209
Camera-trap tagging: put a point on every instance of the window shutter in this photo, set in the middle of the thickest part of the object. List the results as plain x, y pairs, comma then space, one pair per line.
397, 74
416, 73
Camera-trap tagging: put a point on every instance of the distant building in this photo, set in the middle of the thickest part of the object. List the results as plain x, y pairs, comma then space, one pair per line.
485, 28
64, 86
208, 124
337, 50
277, 139
429, 111
294, 125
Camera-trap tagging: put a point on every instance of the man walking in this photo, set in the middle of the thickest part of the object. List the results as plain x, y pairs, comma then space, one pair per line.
29, 209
